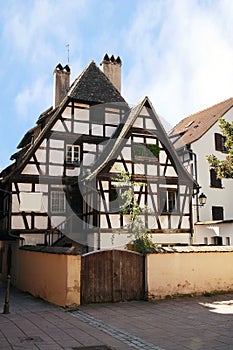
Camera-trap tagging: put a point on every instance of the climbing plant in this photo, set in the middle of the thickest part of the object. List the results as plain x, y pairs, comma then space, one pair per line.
130, 206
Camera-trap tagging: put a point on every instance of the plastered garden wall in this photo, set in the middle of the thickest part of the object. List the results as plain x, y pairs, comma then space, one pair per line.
180, 273
54, 277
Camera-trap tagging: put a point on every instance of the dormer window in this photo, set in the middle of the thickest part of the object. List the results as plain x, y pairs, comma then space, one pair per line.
189, 124
73, 154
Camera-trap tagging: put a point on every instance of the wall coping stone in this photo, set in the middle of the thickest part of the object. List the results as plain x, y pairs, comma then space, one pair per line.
51, 250
193, 249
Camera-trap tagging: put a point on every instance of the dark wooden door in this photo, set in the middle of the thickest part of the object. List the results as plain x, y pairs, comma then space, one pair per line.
112, 275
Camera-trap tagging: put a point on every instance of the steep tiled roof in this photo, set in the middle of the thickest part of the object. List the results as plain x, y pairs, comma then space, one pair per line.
194, 126
93, 86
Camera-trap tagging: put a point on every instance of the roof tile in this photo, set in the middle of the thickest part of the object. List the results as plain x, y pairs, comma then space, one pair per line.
93, 86
194, 126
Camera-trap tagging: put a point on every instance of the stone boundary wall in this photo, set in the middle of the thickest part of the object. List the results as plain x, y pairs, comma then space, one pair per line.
189, 271
52, 274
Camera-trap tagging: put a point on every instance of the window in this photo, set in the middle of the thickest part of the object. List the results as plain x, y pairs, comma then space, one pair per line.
214, 181
217, 213
58, 203
114, 204
141, 150
73, 154
115, 198
168, 201
220, 142
217, 240
97, 114
228, 241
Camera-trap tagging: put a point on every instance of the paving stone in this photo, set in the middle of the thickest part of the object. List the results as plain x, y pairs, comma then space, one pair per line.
198, 323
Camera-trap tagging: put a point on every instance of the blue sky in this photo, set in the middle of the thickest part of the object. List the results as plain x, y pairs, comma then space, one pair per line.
177, 52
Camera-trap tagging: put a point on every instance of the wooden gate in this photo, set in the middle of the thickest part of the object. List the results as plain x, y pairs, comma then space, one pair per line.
111, 276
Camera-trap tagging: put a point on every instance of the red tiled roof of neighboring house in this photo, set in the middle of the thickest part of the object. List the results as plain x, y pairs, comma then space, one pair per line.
194, 126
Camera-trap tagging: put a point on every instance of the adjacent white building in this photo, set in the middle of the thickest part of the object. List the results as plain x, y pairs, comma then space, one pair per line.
195, 137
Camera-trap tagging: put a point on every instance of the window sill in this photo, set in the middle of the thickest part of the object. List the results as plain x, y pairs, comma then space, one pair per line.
219, 188
142, 159
72, 165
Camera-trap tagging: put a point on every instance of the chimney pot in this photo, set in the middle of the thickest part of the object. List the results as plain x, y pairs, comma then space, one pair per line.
67, 68
118, 60
59, 67
106, 57
112, 59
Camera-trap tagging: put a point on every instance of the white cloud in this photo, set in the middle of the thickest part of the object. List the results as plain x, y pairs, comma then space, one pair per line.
34, 27
181, 55
34, 98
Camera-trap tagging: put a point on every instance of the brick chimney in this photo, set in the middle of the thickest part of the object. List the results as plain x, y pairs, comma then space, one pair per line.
61, 83
112, 69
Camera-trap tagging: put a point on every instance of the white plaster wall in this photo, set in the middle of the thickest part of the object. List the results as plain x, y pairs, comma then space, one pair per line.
205, 233
215, 196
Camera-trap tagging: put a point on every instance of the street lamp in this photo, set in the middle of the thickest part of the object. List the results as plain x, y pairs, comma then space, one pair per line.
202, 199
200, 202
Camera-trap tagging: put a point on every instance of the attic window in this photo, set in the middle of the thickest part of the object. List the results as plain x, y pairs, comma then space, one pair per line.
189, 124
145, 151
97, 114
73, 154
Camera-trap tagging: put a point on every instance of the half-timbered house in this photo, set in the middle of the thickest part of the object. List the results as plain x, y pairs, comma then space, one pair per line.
62, 179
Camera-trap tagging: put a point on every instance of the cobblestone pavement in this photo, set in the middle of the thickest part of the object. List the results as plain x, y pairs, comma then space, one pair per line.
199, 323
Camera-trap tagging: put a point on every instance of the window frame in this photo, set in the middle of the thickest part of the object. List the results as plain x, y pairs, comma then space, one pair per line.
217, 213
61, 206
147, 151
115, 200
220, 142
74, 160
164, 201
97, 114
214, 181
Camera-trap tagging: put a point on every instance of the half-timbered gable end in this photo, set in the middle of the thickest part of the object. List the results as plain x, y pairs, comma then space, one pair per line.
141, 148
62, 179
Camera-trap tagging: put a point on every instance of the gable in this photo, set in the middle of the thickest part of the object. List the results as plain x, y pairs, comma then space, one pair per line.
140, 125
93, 86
